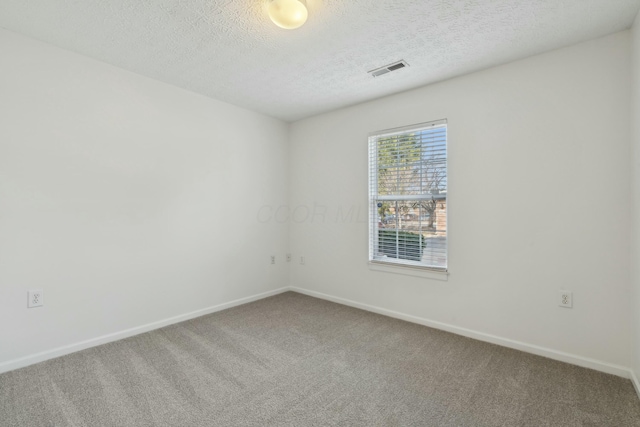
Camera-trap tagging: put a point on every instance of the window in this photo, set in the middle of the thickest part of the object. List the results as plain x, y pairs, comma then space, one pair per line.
408, 196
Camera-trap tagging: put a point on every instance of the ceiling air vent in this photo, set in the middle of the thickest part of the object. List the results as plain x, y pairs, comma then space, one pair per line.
388, 68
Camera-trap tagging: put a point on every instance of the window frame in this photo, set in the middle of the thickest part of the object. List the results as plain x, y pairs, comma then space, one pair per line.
394, 265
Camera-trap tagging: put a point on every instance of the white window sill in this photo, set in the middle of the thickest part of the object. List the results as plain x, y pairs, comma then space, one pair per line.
408, 270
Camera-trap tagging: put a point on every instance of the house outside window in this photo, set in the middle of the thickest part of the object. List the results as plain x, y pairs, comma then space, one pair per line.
408, 196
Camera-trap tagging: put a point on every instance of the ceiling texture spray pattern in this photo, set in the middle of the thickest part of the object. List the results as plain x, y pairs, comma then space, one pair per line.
230, 50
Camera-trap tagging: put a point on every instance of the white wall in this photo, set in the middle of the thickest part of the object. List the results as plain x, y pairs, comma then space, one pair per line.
539, 182
127, 200
635, 159
130, 201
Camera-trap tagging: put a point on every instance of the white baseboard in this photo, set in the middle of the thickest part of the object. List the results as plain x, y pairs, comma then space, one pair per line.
529, 348
72, 348
636, 383
573, 359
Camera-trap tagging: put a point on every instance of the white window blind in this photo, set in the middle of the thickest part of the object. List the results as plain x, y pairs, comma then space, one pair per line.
408, 196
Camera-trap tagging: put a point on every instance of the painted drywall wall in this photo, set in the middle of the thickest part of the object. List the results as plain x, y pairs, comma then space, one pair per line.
539, 182
635, 197
125, 199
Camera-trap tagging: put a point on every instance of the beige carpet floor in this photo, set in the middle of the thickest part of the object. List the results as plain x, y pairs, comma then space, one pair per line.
293, 360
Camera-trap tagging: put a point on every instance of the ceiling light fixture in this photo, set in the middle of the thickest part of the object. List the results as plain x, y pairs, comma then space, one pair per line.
288, 14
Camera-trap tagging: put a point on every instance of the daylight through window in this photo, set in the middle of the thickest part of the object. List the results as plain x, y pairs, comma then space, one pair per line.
408, 196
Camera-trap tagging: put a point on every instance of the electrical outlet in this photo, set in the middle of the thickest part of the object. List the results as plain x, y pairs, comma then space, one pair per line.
288, 257
565, 299
301, 260
36, 298
273, 259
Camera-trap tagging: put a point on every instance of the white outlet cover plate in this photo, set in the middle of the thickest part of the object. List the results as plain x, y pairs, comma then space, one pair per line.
36, 298
565, 299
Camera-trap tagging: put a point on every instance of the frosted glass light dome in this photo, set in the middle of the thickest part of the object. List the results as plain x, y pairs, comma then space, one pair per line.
288, 14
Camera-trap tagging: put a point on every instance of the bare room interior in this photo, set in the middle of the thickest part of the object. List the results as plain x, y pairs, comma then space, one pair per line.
319, 213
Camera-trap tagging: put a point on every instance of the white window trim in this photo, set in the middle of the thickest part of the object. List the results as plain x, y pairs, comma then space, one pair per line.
409, 270
397, 267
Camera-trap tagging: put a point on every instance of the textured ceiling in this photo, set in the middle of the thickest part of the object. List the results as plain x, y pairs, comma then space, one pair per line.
231, 51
